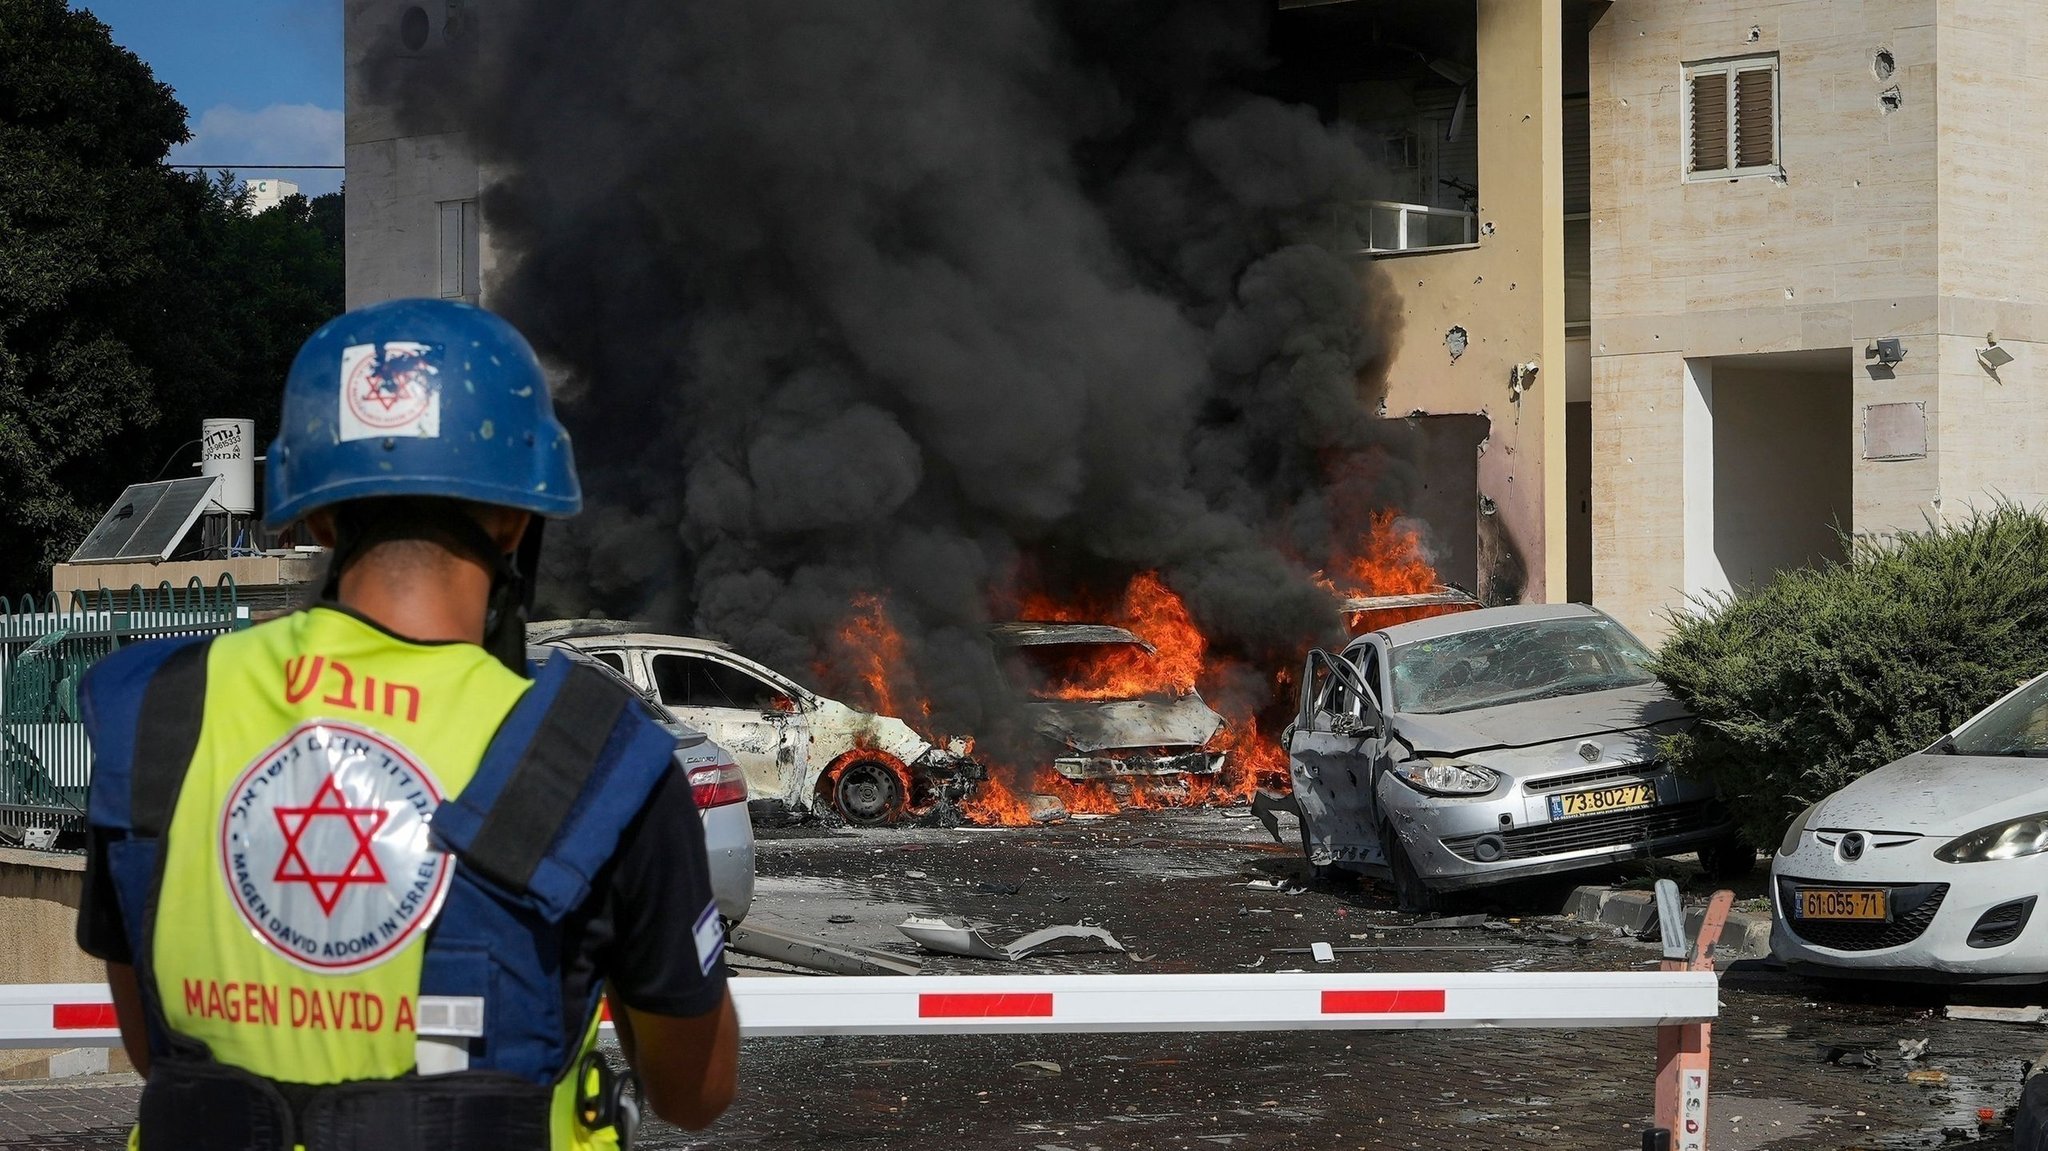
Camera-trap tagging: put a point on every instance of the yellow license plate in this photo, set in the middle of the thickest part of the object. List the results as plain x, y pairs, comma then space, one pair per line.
1864, 903
1624, 798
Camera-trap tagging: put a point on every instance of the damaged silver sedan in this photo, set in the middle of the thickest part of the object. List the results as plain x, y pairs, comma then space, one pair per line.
1491, 745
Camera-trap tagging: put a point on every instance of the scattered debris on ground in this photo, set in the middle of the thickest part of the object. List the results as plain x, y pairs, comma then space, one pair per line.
1844, 1056
1998, 1014
954, 936
828, 956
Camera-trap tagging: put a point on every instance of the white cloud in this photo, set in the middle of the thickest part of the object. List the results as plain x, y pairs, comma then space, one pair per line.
279, 134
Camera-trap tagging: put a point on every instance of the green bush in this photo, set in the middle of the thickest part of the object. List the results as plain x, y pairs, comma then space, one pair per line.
1824, 674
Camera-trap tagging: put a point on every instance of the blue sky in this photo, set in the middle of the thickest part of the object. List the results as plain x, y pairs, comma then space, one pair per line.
260, 79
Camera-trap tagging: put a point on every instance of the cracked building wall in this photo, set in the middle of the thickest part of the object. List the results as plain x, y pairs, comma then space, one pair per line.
1507, 292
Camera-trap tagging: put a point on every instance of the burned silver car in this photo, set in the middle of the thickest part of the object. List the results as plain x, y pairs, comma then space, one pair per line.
1091, 690
1491, 745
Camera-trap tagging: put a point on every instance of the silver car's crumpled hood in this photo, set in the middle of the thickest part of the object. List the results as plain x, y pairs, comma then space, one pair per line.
1936, 794
1540, 721
1106, 725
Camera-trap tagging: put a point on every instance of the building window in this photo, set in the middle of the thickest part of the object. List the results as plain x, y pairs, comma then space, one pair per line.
1731, 115
461, 262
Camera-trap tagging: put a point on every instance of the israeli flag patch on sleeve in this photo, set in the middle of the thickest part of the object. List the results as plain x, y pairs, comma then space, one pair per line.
710, 938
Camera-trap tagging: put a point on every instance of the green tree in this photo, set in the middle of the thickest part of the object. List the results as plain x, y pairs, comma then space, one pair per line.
134, 300
1824, 674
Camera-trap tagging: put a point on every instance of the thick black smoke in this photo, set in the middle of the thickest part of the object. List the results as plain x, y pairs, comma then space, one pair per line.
922, 298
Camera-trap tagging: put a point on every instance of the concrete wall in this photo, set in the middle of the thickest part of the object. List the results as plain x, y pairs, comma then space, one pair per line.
1508, 294
1992, 90
1838, 251
246, 571
1638, 449
39, 894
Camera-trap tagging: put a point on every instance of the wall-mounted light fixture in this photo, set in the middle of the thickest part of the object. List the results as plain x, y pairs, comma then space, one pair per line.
1887, 351
1991, 355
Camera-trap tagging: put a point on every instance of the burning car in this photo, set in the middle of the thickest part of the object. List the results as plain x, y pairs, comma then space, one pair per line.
1496, 744
799, 749
1095, 692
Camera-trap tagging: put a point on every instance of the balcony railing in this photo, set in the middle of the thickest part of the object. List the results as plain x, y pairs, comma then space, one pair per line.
1393, 227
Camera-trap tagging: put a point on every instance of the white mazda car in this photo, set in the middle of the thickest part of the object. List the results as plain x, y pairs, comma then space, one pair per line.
1929, 868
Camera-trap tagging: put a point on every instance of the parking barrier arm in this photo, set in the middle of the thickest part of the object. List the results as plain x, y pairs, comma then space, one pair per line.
82, 1014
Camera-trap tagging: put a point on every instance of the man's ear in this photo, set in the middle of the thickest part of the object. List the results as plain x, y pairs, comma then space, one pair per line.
321, 523
507, 527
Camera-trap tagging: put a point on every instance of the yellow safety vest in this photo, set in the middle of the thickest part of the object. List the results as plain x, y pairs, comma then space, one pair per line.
298, 882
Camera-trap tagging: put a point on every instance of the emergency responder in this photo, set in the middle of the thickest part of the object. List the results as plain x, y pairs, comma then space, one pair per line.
359, 881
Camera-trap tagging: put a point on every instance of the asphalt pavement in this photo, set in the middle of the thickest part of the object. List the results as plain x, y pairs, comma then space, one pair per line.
1207, 891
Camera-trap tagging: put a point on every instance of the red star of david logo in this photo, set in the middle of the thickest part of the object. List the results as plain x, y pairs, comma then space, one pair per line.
362, 867
388, 390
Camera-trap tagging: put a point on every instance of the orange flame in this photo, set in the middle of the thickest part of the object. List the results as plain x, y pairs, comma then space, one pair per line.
1390, 560
1152, 612
1180, 664
869, 643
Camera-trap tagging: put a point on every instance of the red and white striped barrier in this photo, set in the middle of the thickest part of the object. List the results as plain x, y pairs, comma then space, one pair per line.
57, 1015
81, 1015
973, 1004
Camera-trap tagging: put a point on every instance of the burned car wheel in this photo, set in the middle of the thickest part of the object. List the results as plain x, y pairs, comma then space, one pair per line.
868, 793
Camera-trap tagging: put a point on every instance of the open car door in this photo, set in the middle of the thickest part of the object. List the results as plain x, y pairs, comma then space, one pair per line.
1338, 737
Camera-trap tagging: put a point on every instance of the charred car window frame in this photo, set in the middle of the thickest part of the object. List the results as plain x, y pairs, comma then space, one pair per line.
707, 671
1334, 686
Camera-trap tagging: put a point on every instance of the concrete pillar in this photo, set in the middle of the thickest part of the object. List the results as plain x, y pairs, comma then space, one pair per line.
1704, 574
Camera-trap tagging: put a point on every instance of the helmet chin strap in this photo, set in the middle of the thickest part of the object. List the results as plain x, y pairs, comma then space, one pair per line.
511, 600
357, 529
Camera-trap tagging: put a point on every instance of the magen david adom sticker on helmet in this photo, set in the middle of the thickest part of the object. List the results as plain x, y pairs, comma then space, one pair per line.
390, 389
324, 847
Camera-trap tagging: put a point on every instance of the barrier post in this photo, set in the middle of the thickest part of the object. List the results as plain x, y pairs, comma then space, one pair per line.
1683, 1048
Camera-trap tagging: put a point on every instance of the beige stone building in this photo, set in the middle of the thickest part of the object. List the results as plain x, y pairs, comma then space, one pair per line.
1817, 297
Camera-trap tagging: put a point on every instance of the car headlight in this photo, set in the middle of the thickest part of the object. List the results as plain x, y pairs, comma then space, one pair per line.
1798, 828
2027, 835
1447, 777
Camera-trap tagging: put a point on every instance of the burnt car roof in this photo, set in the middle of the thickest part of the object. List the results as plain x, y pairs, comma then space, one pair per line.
1040, 633
1444, 595
631, 633
548, 630
1458, 623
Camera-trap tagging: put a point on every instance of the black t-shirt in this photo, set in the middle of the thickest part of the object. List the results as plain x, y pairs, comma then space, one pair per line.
635, 930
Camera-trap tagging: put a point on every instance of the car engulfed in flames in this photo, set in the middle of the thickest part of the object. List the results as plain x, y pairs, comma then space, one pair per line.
1106, 702
801, 751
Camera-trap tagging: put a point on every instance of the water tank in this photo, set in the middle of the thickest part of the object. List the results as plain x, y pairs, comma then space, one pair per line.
228, 449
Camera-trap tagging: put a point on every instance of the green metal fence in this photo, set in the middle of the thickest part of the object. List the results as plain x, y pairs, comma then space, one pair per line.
46, 646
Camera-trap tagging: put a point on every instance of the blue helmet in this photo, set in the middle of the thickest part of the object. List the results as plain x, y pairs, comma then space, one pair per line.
418, 398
